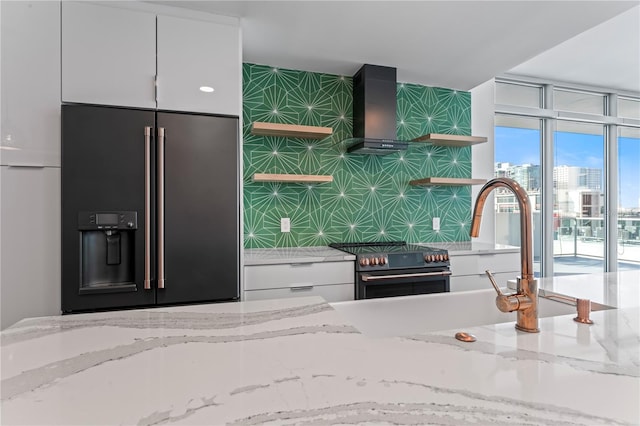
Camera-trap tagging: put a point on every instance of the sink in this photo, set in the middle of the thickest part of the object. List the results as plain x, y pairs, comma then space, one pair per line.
401, 316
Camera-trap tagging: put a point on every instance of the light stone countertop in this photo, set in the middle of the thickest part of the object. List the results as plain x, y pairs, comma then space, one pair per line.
274, 256
294, 361
462, 248
615, 289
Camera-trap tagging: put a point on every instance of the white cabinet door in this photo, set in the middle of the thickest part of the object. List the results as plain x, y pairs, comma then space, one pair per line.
331, 280
193, 54
261, 277
108, 55
30, 250
30, 83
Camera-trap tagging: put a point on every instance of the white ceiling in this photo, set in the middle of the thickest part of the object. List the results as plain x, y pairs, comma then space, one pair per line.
607, 55
454, 44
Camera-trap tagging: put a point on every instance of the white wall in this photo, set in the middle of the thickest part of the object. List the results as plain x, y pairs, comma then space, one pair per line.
482, 124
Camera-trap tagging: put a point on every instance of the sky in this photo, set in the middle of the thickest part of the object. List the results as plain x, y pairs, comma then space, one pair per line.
522, 146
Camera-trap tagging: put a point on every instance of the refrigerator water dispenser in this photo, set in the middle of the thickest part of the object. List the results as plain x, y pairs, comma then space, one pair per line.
107, 251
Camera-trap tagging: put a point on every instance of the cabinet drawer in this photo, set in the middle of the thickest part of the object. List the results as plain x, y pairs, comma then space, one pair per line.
478, 263
479, 281
463, 265
330, 293
502, 262
261, 277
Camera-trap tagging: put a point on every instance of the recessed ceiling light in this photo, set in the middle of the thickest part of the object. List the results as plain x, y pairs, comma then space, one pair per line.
206, 89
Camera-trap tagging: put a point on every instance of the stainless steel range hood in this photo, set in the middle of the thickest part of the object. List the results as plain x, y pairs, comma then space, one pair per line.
374, 112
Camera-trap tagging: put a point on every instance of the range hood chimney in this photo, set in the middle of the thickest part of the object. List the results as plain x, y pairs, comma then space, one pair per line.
374, 112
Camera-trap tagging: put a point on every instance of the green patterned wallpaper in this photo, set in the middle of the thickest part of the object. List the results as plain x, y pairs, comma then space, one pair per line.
370, 198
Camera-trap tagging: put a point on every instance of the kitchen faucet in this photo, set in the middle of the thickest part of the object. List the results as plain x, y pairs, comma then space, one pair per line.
525, 300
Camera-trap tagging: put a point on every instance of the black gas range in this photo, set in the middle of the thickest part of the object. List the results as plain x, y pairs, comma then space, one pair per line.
395, 268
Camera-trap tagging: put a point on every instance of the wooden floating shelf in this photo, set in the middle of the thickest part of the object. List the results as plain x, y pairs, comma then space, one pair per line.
290, 130
265, 177
446, 181
450, 140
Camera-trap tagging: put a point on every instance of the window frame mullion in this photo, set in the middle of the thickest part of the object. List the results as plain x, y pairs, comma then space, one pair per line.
611, 189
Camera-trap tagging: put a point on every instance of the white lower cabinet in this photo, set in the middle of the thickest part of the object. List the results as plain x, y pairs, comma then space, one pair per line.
468, 271
331, 280
30, 250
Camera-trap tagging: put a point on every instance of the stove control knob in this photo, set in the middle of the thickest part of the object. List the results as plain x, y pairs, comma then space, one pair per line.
446, 257
427, 258
374, 260
364, 262
440, 258
383, 260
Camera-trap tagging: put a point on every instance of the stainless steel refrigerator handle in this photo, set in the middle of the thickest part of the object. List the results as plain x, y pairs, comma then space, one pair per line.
366, 277
160, 208
147, 208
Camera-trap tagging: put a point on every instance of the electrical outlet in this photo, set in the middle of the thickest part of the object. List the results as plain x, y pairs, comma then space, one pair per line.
436, 223
285, 224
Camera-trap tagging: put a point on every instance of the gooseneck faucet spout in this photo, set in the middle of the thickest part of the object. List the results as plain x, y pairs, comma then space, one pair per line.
525, 300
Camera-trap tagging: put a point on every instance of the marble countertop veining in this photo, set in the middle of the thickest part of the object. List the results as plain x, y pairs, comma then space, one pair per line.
271, 256
294, 361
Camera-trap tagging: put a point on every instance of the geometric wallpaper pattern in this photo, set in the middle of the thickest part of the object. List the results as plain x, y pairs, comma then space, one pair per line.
370, 198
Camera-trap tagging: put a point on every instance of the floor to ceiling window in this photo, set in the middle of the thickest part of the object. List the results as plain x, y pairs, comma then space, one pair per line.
517, 156
628, 198
561, 143
578, 198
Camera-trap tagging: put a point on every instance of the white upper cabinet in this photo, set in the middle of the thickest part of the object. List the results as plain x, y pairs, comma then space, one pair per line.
198, 54
112, 56
108, 55
30, 84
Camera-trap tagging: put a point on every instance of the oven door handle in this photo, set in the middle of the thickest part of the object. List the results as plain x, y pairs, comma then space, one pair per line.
367, 277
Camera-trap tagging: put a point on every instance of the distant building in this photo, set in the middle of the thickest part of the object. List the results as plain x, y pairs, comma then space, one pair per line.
578, 190
573, 178
580, 203
527, 175
502, 169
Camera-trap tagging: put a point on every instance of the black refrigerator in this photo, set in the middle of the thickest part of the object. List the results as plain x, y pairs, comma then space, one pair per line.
150, 208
